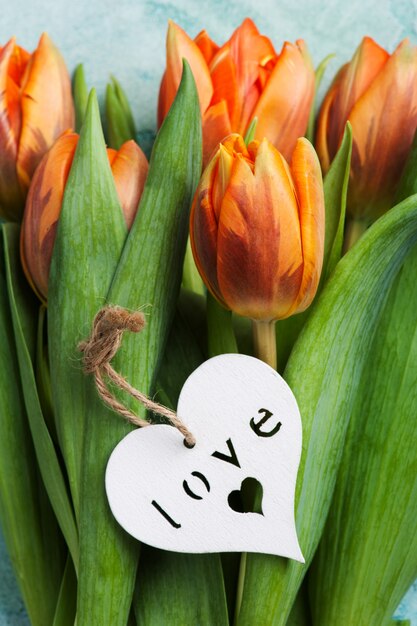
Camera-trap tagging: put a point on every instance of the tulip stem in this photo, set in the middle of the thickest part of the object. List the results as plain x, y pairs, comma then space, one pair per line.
265, 349
265, 343
354, 231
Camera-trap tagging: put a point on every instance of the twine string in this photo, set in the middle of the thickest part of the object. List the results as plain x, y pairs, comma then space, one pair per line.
99, 349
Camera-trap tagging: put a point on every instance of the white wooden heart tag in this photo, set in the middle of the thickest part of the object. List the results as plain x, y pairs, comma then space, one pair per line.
247, 426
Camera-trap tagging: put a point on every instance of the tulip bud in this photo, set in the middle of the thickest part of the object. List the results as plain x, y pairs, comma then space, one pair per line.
243, 79
377, 93
257, 228
129, 167
35, 108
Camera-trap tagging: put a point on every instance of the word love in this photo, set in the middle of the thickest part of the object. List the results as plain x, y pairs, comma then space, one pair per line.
234, 490
231, 457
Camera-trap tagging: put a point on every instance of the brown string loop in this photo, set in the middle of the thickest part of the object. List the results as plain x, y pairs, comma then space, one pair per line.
108, 327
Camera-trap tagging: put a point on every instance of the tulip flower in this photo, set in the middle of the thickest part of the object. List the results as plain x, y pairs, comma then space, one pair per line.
377, 93
35, 108
257, 228
243, 79
129, 167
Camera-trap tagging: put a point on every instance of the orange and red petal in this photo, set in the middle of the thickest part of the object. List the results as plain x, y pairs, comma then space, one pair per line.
43, 207
130, 168
384, 121
203, 230
258, 243
327, 143
367, 62
207, 46
284, 106
306, 174
180, 46
11, 196
47, 107
216, 126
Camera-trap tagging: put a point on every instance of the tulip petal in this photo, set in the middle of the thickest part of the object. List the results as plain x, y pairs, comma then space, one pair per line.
323, 123
11, 196
284, 106
384, 121
207, 46
43, 207
216, 126
203, 230
258, 244
130, 168
306, 173
355, 78
47, 108
235, 72
180, 46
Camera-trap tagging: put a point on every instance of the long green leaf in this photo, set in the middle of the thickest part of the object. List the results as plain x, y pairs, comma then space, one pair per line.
191, 593
46, 455
90, 237
153, 255
371, 529
25, 515
65, 611
335, 194
324, 372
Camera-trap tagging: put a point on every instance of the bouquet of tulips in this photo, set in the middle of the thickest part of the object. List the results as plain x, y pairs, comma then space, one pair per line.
230, 240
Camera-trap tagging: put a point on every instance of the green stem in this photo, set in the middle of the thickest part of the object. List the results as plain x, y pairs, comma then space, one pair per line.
265, 349
354, 231
264, 342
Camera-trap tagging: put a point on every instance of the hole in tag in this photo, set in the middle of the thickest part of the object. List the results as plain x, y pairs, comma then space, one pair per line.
247, 499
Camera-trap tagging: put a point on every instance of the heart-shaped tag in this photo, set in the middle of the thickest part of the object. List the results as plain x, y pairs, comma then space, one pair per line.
248, 428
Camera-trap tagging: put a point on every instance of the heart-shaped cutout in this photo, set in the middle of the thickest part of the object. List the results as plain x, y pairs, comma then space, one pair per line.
247, 499
247, 425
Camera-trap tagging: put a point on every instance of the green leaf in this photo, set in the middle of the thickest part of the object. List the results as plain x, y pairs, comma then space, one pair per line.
300, 612
25, 514
250, 133
66, 607
182, 356
371, 529
46, 455
120, 123
221, 335
325, 372
153, 255
149, 273
90, 237
191, 591
80, 93
191, 279
320, 70
408, 182
335, 194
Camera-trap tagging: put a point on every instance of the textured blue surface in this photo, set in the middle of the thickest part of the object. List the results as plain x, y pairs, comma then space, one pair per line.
127, 38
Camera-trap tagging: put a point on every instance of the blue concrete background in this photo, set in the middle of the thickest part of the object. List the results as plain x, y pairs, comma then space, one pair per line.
127, 38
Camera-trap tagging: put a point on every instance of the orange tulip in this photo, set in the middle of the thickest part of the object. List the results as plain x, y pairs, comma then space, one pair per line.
257, 228
35, 108
243, 79
377, 93
129, 167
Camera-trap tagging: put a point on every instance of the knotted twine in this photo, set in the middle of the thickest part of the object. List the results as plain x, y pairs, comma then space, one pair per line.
106, 337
